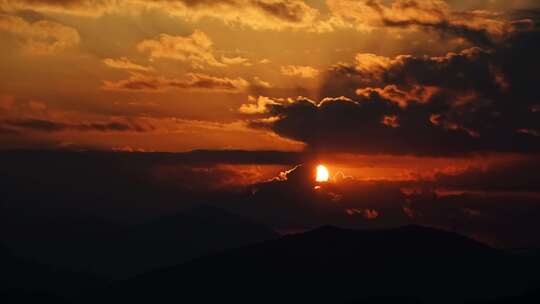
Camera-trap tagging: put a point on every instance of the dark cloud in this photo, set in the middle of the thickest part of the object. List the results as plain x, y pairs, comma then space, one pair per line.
53, 126
114, 184
292, 202
8, 131
291, 11
500, 219
491, 206
476, 100
440, 20
510, 176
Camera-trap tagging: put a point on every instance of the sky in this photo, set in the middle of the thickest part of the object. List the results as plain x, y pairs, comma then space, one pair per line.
429, 97
348, 76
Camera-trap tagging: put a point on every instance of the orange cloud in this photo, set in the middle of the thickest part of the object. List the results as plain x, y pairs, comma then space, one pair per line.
123, 63
195, 48
368, 214
477, 26
255, 14
195, 82
391, 121
42, 36
417, 94
299, 71
257, 105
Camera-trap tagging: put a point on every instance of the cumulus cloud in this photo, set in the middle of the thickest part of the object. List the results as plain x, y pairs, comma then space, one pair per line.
256, 105
420, 104
42, 36
193, 82
299, 71
377, 125
196, 49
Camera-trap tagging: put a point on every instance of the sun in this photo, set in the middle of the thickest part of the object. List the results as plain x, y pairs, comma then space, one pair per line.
322, 174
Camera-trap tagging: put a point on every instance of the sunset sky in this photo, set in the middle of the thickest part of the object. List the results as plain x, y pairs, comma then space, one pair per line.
377, 89
421, 94
390, 77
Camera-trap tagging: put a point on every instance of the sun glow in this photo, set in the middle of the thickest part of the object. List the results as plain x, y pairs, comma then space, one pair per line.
322, 174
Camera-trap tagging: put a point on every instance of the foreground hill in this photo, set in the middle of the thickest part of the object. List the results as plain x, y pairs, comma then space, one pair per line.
333, 265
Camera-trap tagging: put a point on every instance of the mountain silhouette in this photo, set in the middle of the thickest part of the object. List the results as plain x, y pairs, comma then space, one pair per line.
115, 250
333, 265
24, 281
202, 230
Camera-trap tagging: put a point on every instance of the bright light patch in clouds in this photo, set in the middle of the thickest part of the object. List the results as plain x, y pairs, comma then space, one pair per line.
322, 174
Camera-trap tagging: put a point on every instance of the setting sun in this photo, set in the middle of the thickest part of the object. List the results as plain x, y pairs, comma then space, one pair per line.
322, 174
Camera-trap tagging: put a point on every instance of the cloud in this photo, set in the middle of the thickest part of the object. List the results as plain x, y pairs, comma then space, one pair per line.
299, 71
237, 181
513, 175
86, 8
257, 105
194, 82
368, 214
416, 94
54, 126
123, 63
235, 60
423, 105
257, 82
478, 26
256, 14
196, 49
42, 36
448, 123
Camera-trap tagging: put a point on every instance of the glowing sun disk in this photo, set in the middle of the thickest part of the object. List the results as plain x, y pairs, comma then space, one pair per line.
322, 174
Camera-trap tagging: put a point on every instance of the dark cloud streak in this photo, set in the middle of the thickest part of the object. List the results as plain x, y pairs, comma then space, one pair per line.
53, 126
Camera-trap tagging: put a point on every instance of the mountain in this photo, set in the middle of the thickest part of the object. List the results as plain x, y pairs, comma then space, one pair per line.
24, 281
172, 240
331, 265
114, 250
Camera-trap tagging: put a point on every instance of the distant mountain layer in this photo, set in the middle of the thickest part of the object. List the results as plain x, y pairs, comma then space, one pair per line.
333, 265
24, 281
119, 251
327, 265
